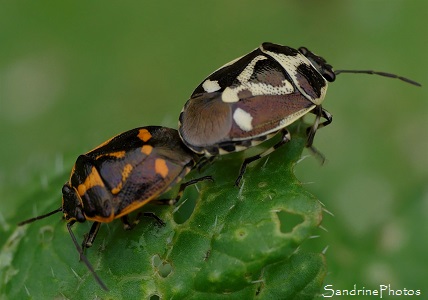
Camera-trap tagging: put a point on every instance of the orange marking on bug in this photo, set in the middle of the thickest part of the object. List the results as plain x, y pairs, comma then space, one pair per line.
146, 149
136, 205
144, 135
118, 154
93, 179
125, 174
108, 219
161, 168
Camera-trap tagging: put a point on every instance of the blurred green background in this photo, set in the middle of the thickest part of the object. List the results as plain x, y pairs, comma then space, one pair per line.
74, 74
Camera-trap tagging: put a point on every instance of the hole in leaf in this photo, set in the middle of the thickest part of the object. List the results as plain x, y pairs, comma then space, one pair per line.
288, 221
259, 288
207, 255
184, 208
154, 297
164, 268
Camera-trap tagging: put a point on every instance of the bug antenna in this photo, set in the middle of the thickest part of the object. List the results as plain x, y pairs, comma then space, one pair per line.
371, 72
83, 257
40, 217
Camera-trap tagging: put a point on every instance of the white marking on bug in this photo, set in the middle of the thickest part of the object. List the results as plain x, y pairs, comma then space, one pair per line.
249, 69
255, 143
243, 119
211, 86
240, 148
53, 273
325, 249
230, 208
314, 237
290, 64
230, 95
223, 152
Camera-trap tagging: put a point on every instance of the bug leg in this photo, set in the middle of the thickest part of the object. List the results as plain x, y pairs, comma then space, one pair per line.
183, 186
88, 238
83, 257
320, 113
204, 161
127, 225
285, 138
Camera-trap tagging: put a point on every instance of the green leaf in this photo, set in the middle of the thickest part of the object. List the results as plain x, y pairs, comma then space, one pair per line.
221, 242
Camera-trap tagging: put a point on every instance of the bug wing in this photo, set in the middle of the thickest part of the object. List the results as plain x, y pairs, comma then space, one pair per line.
265, 114
205, 120
246, 98
141, 164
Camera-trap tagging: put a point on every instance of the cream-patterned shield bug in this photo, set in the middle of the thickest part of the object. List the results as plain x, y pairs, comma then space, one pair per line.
256, 96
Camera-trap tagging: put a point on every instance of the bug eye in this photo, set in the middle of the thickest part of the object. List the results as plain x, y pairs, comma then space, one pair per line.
328, 73
71, 204
303, 50
80, 217
66, 189
319, 63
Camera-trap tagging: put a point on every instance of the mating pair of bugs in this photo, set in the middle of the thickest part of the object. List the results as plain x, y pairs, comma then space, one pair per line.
243, 103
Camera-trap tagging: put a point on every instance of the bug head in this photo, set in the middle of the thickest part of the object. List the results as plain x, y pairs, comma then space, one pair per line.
72, 209
72, 204
320, 64
326, 70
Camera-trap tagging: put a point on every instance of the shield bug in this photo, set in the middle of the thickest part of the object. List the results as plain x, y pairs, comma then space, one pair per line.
252, 98
120, 176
